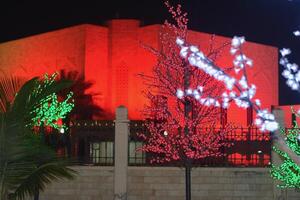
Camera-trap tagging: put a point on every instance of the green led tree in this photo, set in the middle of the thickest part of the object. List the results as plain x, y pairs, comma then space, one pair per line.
49, 110
287, 173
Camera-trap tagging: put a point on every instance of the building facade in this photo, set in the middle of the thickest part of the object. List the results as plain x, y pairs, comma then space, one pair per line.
112, 56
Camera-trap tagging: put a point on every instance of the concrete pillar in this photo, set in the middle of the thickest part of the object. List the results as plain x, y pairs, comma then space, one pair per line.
121, 153
279, 116
278, 194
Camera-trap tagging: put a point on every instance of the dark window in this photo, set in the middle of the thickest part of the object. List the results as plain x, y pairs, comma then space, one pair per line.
102, 153
136, 156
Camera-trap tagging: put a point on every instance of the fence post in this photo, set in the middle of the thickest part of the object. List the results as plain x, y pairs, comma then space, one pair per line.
121, 153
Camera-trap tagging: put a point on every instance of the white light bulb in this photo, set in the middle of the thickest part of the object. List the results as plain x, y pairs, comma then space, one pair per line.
179, 41
285, 51
194, 49
179, 93
296, 33
165, 133
62, 130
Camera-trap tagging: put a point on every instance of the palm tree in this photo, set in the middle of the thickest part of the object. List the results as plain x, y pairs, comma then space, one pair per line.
26, 164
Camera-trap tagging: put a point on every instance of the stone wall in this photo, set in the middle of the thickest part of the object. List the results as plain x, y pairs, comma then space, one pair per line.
146, 183
92, 183
167, 183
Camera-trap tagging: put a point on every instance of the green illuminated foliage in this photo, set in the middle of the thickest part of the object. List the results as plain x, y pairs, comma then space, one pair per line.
288, 172
50, 109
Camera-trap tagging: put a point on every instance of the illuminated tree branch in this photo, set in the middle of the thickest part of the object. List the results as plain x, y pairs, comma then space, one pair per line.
244, 92
50, 109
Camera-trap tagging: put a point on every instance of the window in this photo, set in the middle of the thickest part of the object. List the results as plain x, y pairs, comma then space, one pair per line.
136, 157
102, 153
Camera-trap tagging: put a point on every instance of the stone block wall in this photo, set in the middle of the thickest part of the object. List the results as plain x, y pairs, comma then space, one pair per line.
167, 183
207, 183
92, 183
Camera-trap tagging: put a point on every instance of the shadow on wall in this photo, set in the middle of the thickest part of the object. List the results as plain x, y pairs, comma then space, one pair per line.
85, 108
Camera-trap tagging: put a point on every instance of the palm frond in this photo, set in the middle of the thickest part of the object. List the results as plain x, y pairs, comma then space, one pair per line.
8, 90
26, 164
41, 176
23, 97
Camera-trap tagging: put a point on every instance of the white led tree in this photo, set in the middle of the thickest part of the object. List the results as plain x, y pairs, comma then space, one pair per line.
238, 90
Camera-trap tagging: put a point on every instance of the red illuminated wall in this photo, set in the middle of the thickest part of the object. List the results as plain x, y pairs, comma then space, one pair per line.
287, 112
112, 57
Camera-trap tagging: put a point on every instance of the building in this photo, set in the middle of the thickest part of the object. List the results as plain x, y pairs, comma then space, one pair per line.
112, 56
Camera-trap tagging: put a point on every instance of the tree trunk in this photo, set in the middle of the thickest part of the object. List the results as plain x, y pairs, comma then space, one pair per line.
188, 182
187, 111
36, 196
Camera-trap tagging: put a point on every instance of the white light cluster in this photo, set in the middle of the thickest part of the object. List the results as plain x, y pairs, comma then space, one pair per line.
265, 120
291, 70
243, 82
198, 59
198, 95
240, 60
180, 94
226, 99
296, 33
236, 42
284, 52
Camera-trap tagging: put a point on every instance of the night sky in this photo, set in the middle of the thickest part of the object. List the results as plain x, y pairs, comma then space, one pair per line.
265, 21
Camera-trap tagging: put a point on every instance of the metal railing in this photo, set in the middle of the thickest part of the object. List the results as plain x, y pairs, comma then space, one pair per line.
251, 148
93, 142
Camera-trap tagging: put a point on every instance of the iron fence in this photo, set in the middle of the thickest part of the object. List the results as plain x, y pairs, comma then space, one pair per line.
251, 148
93, 144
